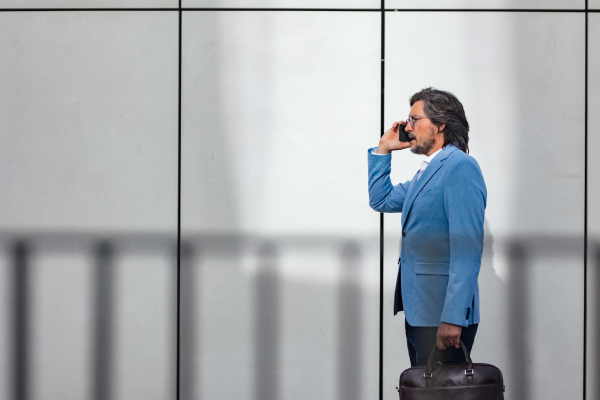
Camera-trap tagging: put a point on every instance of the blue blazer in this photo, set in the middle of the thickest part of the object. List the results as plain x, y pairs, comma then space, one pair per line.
442, 236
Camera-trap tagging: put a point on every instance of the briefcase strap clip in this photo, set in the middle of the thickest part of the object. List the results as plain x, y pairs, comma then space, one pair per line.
428, 376
469, 375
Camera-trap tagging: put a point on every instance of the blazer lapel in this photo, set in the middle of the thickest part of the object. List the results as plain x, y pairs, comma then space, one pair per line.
429, 172
412, 184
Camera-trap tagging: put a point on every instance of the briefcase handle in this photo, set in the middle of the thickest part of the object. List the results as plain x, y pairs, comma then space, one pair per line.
469, 365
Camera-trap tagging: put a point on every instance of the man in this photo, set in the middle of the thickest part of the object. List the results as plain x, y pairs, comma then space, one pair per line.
443, 210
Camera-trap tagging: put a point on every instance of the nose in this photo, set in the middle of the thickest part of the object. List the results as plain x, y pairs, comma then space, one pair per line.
408, 127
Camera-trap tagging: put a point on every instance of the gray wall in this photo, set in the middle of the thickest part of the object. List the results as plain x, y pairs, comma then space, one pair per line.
278, 296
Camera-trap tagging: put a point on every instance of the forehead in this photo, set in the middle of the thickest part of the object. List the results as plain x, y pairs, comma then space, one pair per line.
417, 108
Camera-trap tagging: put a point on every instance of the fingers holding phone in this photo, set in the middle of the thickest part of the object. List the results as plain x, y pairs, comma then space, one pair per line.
393, 139
402, 134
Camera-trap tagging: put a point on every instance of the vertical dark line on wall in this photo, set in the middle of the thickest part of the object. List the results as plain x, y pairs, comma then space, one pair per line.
594, 358
381, 230
20, 318
104, 257
519, 322
350, 322
267, 324
188, 332
381, 219
585, 211
178, 359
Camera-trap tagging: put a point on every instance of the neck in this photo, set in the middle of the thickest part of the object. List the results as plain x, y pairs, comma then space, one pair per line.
434, 149
438, 144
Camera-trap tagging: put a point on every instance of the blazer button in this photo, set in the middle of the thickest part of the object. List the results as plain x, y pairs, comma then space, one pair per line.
403, 234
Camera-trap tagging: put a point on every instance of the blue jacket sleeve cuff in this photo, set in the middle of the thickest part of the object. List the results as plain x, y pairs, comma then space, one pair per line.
373, 150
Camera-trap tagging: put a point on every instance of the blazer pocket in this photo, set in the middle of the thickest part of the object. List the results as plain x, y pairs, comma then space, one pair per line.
427, 192
432, 268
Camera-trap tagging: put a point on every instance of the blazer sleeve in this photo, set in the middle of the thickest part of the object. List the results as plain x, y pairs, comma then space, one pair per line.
383, 196
464, 201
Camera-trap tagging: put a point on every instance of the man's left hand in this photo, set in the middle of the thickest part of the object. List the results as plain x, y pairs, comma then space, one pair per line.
448, 335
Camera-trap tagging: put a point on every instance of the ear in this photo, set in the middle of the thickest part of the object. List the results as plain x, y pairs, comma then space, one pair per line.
441, 128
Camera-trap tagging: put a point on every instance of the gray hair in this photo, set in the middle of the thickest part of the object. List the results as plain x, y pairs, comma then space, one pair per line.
444, 108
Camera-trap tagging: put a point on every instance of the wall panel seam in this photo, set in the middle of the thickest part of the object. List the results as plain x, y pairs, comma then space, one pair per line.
174, 9
585, 208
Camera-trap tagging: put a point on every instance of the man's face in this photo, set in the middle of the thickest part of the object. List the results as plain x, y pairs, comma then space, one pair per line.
425, 133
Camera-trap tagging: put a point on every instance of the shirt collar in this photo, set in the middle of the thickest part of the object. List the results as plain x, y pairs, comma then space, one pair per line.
426, 161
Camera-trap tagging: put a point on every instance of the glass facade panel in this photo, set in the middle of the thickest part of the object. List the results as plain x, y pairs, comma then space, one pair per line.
283, 260
88, 204
39, 4
593, 211
283, 3
521, 101
488, 5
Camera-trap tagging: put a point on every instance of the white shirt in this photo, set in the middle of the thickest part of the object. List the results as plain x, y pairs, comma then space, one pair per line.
424, 163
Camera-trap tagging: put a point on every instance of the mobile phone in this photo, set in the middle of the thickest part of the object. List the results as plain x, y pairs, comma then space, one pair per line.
403, 137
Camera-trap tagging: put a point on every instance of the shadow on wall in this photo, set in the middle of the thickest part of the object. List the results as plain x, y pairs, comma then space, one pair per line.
103, 318
189, 302
595, 264
350, 324
267, 310
518, 322
266, 319
20, 253
267, 314
267, 325
103, 326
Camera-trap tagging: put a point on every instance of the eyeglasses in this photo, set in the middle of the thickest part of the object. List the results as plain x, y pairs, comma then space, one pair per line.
413, 119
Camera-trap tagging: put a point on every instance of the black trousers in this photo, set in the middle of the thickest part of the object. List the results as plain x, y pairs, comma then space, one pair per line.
421, 339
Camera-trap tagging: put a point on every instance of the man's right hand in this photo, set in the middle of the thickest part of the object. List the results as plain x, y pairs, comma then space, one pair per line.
390, 140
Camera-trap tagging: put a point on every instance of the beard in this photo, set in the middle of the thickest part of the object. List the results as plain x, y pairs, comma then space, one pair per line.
426, 145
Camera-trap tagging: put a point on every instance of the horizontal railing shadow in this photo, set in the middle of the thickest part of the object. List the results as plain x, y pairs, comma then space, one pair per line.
267, 309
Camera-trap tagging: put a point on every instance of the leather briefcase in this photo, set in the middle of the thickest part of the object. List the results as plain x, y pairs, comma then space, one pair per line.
436, 381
